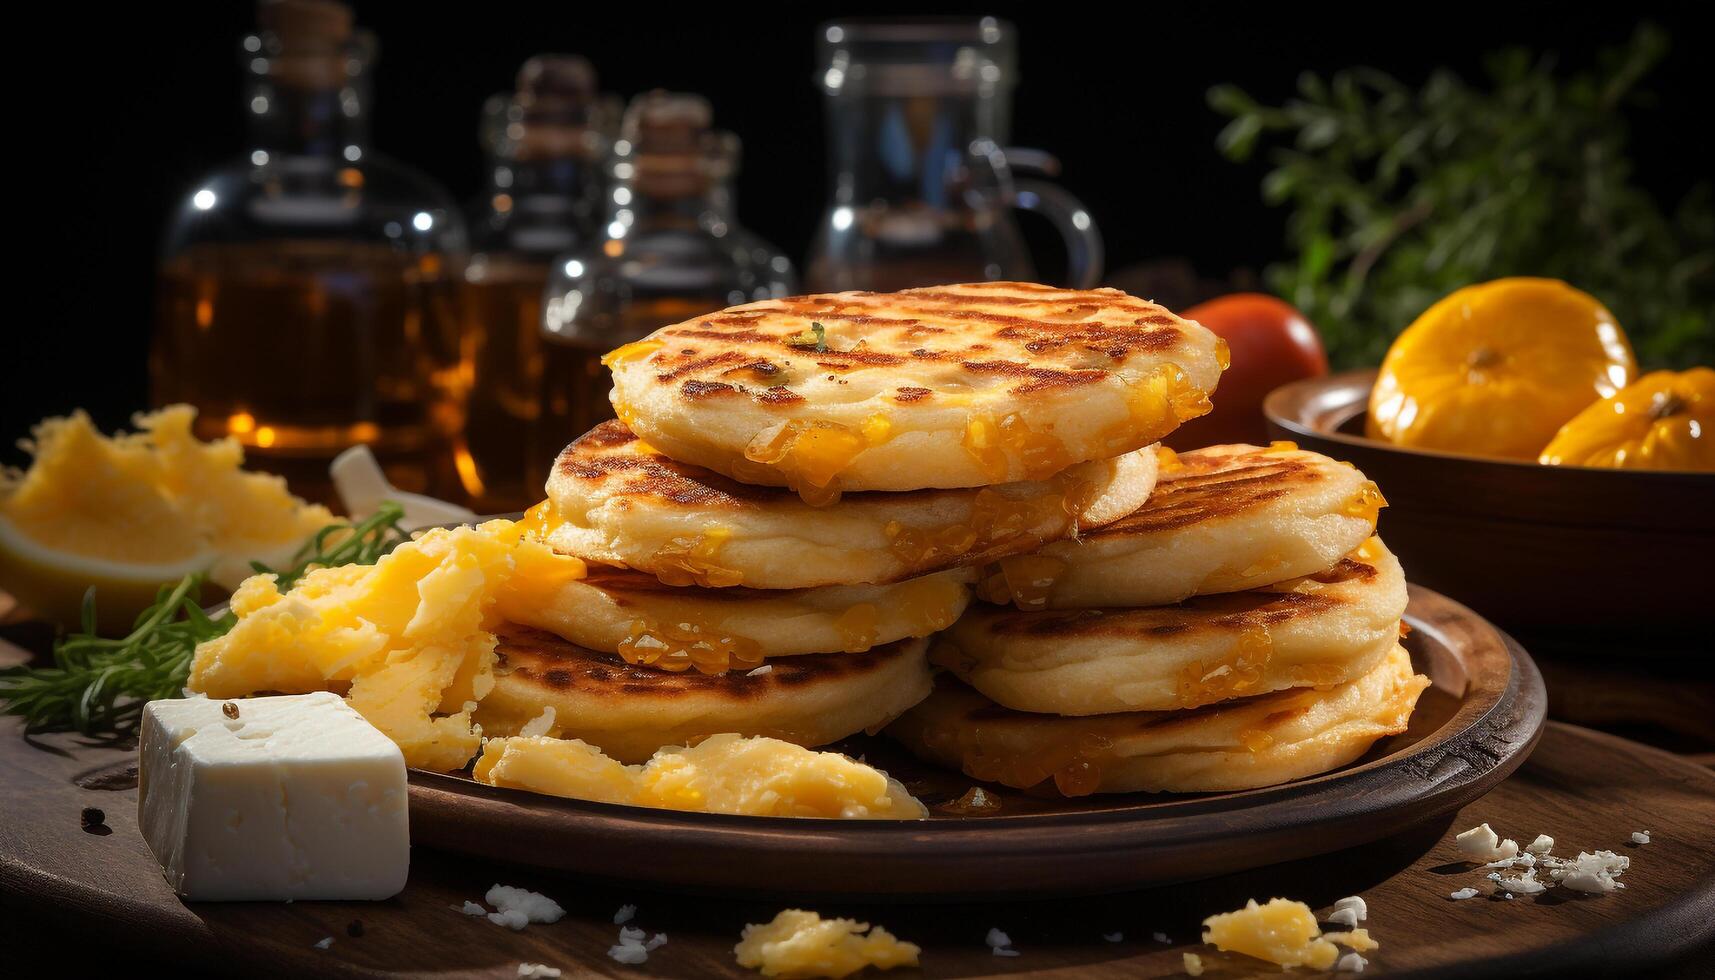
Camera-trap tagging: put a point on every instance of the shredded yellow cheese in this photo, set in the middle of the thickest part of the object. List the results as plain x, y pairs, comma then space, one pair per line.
803, 944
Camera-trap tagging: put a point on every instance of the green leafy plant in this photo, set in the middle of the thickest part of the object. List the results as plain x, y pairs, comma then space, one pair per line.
98, 686
1400, 196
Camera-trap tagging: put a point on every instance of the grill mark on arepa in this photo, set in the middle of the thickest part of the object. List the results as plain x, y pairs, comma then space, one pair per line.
1233, 612
1214, 486
545, 659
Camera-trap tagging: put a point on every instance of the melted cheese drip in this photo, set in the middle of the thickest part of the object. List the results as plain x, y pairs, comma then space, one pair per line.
996, 445
722, 774
996, 519
1072, 762
680, 646
803, 944
631, 352
1026, 581
695, 561
1229, 676
812, 455
1367, 504
1282, 931
1155, 406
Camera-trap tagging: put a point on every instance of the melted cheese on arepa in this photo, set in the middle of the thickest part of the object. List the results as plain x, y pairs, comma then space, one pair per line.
727, 773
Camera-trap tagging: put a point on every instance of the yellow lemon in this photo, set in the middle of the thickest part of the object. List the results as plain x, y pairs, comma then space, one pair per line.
1496, 369
1663, 421
130, 513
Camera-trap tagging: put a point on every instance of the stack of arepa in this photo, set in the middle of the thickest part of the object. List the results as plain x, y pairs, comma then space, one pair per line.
1240, 629
799, 492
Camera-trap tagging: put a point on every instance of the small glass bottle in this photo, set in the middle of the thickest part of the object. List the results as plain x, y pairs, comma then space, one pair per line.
671, 249
307, 294
545, 147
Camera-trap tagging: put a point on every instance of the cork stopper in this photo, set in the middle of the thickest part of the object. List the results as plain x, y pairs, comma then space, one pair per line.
307, 41
673, 145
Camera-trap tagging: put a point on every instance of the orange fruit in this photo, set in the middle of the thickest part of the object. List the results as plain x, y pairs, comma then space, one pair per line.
1662, 421
1497, 368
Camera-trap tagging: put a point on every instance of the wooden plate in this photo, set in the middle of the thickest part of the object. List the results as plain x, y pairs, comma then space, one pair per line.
1568, 556
1474, 726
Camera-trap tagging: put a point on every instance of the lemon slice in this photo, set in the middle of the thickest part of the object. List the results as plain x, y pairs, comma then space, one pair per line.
52, 581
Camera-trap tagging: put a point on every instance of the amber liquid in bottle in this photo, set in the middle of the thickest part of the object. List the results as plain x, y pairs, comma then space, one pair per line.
503, 355
301, 349
577, 385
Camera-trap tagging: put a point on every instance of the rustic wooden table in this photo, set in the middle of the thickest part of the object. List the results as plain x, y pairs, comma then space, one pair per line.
76, 898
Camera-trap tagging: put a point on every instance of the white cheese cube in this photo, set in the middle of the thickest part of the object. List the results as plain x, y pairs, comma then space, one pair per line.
296, 797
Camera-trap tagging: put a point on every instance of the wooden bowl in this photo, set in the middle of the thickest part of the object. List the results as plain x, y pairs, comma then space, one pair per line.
1562, 556
1475, 724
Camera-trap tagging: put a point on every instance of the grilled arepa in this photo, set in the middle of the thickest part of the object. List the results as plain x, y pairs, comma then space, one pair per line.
940, 387
1221, 519
1322, 629
633, 614
629, 711
1234, 745
614, 499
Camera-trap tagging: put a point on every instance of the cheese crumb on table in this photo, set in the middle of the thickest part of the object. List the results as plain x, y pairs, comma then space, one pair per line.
631, 949
722, 774
1464, 893
1114, 937
1194, 964
625, 914
1358, 939
537, 971
1594, 874
1355, 905
324, 943
516, 908
798, 943
1281, 931
1351, 963
471, 908
1640, 837
1524, 884
1483, 844
1161, 937
1542, 845
297, 797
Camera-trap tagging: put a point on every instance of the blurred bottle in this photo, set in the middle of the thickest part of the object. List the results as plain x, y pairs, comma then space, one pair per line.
545, 146
923, 190
671, 248
306, 300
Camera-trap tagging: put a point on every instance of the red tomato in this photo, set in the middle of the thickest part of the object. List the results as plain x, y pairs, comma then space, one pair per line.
1271, 344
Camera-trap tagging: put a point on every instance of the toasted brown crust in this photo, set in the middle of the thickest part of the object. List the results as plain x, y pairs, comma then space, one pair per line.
1237, 612
1033, 338
611, 453
545, 659
1217, 483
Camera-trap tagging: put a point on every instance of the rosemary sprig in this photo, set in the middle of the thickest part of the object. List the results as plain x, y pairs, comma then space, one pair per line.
98, 686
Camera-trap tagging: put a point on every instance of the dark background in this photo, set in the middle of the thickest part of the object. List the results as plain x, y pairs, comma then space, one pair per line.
117, 112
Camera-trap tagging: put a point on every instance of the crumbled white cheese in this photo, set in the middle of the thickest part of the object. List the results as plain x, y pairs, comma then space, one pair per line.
1481, 843
542, 724
628, 953
1344, 917
1596, 873
1640, 837
1161, 937
1354, 903
1463, 893
1114, 937
759, 671
324, 943
656, 942
515, 902
1004, 951
513, 919
625, 914
537, 971
1542, 845
1194, 964
1524, 884
631, 948
471, 908
630, 935
1351, 963
996, 939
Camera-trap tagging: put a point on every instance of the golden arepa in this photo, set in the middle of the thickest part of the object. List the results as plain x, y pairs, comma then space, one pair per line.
946, 386
1234, 745
1321, 629
631, 613
629, 711
616, 500
1221, 519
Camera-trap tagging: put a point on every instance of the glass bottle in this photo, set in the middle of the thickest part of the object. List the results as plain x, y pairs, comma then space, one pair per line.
307, 291
671, 248
923, 191
545, 145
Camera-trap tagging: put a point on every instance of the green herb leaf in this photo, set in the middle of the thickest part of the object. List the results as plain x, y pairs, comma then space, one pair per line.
1400, 196
98, 686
